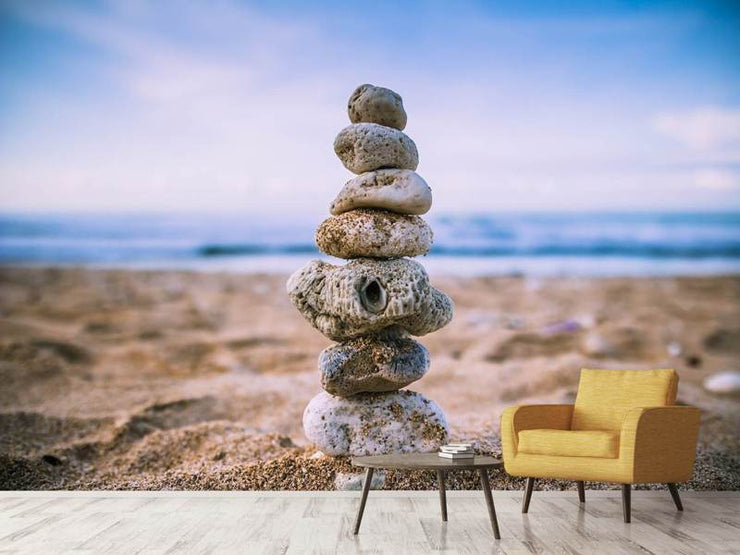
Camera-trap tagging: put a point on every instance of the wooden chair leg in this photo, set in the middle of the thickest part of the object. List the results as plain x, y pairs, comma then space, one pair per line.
676, 499
581, 491
527, 495
626, 502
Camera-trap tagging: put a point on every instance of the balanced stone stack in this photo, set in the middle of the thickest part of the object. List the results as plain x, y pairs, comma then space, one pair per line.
372, 304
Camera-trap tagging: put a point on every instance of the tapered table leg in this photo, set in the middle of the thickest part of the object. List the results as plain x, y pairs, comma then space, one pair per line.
442, 494
674, 493
626, 502
365, 490
527, 494
483, 473
581, 491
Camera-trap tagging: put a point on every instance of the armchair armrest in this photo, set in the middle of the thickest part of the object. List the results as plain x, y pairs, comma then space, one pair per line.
531, 417
660, 442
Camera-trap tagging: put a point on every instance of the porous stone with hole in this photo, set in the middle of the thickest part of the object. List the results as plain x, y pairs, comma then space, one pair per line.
372, 104
366, 233
364, 147
385, 361
400, 191
375, 424
366, 295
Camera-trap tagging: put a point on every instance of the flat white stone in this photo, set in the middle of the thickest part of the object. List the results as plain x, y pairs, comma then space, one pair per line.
400, 191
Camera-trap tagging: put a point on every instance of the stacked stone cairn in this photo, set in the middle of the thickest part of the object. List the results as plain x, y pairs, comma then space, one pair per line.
372, 304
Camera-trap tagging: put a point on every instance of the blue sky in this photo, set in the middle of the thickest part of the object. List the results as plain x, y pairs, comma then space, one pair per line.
233, 106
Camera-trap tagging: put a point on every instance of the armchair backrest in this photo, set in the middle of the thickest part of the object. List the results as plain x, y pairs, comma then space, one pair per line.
605, 396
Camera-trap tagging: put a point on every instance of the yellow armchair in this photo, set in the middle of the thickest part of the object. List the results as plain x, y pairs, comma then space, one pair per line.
624, 427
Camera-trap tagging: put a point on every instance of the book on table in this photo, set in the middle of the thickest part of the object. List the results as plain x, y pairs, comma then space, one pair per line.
456, 451
456, 455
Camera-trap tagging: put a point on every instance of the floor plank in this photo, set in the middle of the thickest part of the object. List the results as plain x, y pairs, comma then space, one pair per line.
394, 522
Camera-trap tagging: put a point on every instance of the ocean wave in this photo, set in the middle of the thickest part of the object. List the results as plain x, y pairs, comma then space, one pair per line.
595, 250
633, 251
252, 249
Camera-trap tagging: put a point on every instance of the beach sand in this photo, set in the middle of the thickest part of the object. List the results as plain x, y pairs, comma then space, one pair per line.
176, 380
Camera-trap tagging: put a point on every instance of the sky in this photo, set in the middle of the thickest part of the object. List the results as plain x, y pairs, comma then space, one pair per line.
230, 106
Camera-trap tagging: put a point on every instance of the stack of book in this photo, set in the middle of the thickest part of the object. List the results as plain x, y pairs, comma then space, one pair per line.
457, 451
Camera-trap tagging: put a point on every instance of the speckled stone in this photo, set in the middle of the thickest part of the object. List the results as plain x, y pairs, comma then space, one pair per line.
372, 104
400, 191
366, 233
386, 361
375, 424
367, 295
365, 147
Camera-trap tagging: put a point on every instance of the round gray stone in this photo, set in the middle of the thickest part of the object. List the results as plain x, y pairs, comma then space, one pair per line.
364, 147
372, 104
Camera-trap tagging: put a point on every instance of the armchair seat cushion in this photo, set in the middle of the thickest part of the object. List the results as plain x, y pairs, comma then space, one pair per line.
570, 443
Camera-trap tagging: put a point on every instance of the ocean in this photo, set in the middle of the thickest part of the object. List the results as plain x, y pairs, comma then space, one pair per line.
542, 244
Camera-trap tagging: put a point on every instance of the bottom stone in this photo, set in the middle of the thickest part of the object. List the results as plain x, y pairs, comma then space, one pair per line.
375, 424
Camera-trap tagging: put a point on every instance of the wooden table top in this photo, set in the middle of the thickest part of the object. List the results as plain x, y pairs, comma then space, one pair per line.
425, 461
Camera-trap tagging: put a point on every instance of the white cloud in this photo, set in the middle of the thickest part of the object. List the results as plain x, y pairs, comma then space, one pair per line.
717, 179
705, 128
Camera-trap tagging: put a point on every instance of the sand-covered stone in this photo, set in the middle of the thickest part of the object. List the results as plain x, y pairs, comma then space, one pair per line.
400, 191
372, 104
367, 295
366, 233
375, 424
364, 147
386, 361
353, 481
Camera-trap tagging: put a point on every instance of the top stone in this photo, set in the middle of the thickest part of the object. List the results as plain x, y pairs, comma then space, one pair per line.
371, 104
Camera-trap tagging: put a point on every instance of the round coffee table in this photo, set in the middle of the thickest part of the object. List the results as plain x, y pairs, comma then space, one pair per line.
430, 461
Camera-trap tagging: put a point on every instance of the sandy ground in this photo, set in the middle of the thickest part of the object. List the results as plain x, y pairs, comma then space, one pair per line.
117, 379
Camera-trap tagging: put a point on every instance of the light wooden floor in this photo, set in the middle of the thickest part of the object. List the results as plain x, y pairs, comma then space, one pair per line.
394, 522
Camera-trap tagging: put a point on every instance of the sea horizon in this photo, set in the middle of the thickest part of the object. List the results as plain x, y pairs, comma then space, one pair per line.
555, 243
